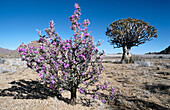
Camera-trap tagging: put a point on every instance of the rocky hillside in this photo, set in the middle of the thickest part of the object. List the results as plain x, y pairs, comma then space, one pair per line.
2, 50
165, 51
6, 53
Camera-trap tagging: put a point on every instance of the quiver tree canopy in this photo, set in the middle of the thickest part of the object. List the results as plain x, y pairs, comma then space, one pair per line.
130, 32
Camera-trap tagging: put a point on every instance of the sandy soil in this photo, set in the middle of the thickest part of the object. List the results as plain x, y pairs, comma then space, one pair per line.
139, 86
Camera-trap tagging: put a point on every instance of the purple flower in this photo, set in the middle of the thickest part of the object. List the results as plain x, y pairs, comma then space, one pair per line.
52, 77
66, 65
64, 77
35, 52
53, 81
80, 90
86, 34
83, 74
40, 75
51, 86
74, 62
41, 47
112, 89
102, 68
95, 97
92, 96
38, 61
84, 57
83, 42
42, 58
54, 43
44, 82
60, 62
96, 49
103, 101
23, 57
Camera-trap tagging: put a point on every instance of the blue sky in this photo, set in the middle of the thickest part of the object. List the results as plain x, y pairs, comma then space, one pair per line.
19, 20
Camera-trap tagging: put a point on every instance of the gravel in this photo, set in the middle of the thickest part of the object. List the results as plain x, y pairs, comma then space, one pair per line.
11, 65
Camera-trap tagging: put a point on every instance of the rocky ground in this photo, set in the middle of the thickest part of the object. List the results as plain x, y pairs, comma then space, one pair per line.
145, 84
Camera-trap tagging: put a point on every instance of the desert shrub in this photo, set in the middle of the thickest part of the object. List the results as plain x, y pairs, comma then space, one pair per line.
66, 65
142, 63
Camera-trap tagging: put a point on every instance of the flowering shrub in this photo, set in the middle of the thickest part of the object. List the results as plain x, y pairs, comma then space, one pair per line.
67, 64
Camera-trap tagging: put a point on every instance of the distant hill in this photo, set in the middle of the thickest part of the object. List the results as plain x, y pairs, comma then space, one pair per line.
6, 53
165, 51
15, 52
2, 50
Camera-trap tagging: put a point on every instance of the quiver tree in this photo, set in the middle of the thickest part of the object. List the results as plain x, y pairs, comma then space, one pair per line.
67, 65
129, 32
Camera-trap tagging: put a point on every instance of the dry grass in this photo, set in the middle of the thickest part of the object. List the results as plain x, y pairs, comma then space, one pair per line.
137, 87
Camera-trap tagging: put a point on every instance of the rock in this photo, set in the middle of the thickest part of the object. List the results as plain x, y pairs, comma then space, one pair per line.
2, 61
12, 65
6, 69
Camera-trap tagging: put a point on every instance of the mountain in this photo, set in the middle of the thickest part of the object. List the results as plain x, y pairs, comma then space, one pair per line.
165, 51
15, 53
2, 50
6, 53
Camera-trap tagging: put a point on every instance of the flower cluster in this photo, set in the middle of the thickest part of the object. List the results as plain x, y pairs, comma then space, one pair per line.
66, 64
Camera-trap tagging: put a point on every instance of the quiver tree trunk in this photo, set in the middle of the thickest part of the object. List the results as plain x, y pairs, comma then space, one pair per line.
73, 95
126, 57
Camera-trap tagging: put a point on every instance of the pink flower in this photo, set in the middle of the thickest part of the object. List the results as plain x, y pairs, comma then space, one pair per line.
83, 74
